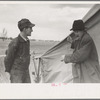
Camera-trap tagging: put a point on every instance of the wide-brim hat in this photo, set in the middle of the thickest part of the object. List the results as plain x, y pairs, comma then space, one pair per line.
78, 25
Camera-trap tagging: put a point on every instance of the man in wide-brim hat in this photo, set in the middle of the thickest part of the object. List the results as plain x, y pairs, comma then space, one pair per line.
85, 68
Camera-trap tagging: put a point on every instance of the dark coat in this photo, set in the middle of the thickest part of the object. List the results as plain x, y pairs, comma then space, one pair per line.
85, 61
17, 54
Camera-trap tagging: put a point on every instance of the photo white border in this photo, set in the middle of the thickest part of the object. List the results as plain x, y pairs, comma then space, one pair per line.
47, 91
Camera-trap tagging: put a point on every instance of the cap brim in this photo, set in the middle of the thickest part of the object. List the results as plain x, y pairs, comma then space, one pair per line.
32, 25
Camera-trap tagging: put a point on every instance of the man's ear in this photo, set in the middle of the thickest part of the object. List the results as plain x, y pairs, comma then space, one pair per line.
24, 29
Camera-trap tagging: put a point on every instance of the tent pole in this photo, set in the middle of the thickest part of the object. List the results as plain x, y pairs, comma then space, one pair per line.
35, 67
38, 76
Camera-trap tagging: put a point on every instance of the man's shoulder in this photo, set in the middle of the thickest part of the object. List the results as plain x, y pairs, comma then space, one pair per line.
87, 37
14, 42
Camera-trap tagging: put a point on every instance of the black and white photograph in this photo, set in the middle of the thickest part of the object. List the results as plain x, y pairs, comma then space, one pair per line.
55, 43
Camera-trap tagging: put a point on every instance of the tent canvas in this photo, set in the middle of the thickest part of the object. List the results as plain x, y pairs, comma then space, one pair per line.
52, 68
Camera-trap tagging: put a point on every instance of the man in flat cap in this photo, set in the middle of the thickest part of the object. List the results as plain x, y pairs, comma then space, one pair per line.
85, 68
17, 58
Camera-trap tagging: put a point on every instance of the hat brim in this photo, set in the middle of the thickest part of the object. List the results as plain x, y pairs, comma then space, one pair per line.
73, 29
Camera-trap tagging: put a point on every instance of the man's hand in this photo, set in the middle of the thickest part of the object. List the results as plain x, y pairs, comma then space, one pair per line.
69, 39
67, 58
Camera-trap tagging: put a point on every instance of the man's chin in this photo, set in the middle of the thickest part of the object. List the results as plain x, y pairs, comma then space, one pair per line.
29, 35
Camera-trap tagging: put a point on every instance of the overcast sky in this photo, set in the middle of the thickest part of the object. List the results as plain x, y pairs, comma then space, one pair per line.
53, 21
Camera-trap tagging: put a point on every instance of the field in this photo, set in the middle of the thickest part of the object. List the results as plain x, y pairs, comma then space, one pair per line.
39, 47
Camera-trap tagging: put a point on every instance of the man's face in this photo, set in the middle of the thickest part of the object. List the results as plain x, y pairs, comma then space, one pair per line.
28, 31
78, 33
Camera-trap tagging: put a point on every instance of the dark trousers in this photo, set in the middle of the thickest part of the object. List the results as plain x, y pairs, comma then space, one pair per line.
19, 76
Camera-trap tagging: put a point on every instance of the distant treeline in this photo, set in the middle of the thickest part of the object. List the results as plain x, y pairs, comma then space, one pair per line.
44, 40
10, 38
5, 38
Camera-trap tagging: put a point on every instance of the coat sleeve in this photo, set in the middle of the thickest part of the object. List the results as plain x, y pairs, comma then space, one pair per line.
9, 58
83, 53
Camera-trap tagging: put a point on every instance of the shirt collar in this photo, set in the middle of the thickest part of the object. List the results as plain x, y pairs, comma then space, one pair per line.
24, 38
